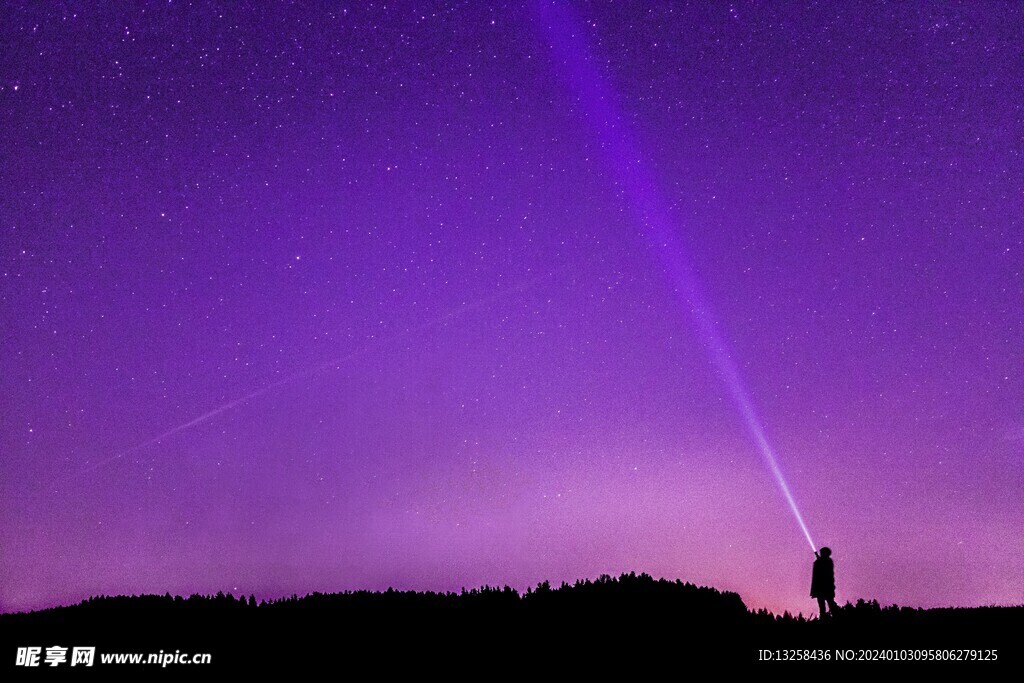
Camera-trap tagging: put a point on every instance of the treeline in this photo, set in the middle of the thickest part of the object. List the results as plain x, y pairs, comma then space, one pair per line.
628, 591
632, 620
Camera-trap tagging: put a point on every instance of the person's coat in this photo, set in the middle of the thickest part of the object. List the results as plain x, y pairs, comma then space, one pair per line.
823, 579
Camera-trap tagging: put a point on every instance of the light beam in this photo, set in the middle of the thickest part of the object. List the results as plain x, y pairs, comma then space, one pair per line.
626, 163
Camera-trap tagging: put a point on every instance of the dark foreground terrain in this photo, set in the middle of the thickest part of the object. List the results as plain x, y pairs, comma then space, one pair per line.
631, 624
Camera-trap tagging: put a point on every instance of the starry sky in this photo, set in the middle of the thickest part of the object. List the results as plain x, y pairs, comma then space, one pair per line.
327, 296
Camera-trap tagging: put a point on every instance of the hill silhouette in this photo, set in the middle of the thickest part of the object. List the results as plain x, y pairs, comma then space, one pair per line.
633, 621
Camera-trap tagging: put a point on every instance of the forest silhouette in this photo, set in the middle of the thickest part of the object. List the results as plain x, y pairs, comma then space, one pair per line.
631, 619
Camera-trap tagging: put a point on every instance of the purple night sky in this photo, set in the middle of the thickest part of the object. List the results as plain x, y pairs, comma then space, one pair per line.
383, 280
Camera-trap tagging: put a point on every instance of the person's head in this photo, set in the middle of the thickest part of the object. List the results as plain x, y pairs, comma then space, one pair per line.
825, 552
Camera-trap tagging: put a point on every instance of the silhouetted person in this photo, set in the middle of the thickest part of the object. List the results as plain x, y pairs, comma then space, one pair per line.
823, 582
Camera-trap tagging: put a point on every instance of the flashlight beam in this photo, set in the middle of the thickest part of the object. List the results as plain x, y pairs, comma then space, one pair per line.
624, 160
